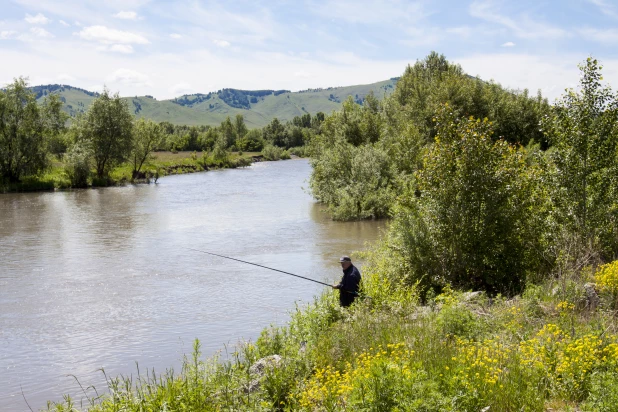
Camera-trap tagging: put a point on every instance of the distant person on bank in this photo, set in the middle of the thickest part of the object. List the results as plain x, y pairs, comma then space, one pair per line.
350, 282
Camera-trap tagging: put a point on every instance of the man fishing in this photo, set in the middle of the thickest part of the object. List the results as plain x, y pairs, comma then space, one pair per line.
350, 282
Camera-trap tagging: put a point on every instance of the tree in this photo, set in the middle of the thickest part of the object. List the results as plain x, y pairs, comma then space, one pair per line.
108, 126
275, 133
147, 135
228, 132
583, 129
25, 128
464, 222
239, 126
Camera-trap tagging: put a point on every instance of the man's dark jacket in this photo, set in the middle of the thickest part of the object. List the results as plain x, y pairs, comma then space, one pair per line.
349, 285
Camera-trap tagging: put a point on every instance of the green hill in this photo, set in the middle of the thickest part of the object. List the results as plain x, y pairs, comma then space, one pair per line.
258, 107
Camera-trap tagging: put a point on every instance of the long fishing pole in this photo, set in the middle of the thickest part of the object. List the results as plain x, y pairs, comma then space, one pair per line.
262, 266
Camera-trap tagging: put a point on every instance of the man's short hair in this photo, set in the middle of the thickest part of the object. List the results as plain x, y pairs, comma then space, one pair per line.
345, 259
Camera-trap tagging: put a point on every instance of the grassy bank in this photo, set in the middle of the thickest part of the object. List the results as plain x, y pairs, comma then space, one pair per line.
555, 347
161, 164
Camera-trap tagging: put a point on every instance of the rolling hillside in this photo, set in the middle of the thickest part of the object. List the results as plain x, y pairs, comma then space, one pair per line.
258, 107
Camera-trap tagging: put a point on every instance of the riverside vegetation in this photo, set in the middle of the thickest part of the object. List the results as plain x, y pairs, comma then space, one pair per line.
495, 287
41, 148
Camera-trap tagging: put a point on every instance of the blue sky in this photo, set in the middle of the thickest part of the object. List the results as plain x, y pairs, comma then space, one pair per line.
167, 48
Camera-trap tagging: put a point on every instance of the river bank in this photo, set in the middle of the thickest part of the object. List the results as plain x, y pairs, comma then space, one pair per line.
161, 164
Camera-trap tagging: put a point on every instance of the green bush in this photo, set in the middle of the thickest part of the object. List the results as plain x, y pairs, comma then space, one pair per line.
78, 165
271, 152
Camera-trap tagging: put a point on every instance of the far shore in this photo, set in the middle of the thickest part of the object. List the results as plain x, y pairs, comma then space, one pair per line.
161, 164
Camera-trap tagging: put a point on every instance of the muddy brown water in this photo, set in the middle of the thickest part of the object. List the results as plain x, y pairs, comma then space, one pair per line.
101, 278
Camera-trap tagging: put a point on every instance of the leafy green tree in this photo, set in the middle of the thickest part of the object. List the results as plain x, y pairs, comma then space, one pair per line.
583, 129
147, 136
108, 126
275, 133
251, 142
25, 128
78, 164
240, 128
228, 132
465, 220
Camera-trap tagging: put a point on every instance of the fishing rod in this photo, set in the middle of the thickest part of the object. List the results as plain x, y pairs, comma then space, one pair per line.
266, 267
262, 266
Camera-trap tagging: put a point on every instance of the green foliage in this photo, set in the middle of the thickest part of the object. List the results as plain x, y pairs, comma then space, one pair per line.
463, 222
355, 182
25, 128
147, 136
271, 152
78, 164
583, 129
107, 127
251, 142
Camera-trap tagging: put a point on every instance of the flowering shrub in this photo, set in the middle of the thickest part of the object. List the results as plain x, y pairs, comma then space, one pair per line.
607, 280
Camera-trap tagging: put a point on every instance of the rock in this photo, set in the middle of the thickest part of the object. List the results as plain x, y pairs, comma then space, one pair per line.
261, 365
472, 295
252, 386
592, 298
485, 409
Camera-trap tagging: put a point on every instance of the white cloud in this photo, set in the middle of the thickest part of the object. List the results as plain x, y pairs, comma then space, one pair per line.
64, 77
64, 23
221, 43
121, 48
41, 32
38, 19
126, 15
302, 74
524, 27
128, 76
601, 36
607, 9
106, 35
176, 36
180, 89
7, 34
508, 44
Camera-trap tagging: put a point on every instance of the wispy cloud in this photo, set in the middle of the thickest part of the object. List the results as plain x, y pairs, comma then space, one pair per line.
106, 35
176, 36
606, 8
121, 48
38, 19
126, 15
64, 23
523, 27
128, 76
508, 44
7, 34
369, 12
221, 43
609, 36
41, 32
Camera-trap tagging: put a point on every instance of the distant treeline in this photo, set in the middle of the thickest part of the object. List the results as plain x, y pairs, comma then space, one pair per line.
40, 91
240, 99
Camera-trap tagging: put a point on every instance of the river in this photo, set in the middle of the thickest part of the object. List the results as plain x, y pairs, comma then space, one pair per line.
102, 278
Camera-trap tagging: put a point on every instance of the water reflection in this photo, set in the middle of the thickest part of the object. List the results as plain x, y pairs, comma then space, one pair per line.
102, 278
